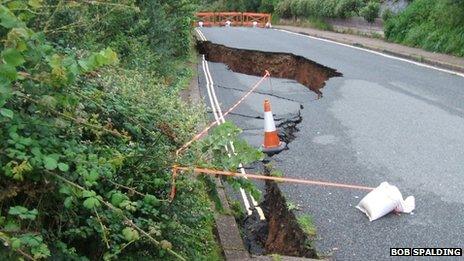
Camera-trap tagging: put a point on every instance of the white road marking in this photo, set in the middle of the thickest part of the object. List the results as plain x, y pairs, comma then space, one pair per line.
200, 33
375, 52
217, 112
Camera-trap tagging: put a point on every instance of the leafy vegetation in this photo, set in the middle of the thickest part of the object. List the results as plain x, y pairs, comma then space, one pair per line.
370, 11
90, 118
433, 25
313, 10
266, 6
324, 8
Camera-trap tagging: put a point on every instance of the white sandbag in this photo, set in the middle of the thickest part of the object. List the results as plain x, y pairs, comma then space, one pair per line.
384, 199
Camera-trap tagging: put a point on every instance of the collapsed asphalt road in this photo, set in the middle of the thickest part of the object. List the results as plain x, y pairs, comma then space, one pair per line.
384, 120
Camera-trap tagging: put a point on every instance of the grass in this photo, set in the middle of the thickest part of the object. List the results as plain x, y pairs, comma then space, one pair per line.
307, 225
238, 211
436, 26
292, 206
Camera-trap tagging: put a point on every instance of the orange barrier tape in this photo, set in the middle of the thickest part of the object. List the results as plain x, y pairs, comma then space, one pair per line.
201, 133
261, 177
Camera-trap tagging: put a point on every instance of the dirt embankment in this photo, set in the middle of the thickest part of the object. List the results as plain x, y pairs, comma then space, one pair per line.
285, 236
279, 65
280, 233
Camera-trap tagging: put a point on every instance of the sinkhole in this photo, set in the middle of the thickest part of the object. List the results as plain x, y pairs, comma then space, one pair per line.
280, 65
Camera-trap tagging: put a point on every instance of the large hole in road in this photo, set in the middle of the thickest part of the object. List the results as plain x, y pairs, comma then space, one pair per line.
280, 65
280, 233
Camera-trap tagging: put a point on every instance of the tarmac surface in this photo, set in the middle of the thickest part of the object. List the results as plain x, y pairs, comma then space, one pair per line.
383, 120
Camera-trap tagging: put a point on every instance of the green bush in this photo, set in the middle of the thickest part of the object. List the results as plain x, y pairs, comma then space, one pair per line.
327, 8
295, 8
90, 119
370, 11
268, 6
318, 8
387, 14
348, 8
283, 9
433, 25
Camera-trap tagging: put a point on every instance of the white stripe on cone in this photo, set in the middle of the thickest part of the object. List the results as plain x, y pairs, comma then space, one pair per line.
269, 124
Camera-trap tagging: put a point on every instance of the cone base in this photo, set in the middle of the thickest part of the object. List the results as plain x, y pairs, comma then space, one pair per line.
273, 150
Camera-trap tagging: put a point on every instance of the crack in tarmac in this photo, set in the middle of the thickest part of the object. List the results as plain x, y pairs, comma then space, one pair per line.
259, 117
264, 93
246, 116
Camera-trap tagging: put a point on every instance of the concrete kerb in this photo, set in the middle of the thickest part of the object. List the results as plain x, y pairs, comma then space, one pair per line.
412, 57
227, 228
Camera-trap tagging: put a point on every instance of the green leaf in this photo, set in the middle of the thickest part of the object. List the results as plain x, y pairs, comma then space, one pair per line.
16, 5
50, 163
65, 190
11, 226
63, 167
8, 72
36, 151
35, 3
92, 176
152, 200
91, 202
15, 243
110, 56
68, 202
117, 198
130, 234
40, 251
6, 113
88, 193
23, 212
31, 239
5, 88
17, 210
8, 19
85, 65
55, 61
13, 57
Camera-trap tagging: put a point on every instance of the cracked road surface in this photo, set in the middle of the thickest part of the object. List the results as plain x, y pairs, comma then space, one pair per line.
383, 120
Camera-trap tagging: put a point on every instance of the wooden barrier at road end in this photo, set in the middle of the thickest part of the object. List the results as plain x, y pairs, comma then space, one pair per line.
213, 172
261, 19
207, 18
235, 18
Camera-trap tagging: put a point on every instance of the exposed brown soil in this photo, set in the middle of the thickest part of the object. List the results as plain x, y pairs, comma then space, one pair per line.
279, 65
284, 236
280, 233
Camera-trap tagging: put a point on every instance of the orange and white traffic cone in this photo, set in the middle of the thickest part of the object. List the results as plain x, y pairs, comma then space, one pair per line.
272, 143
